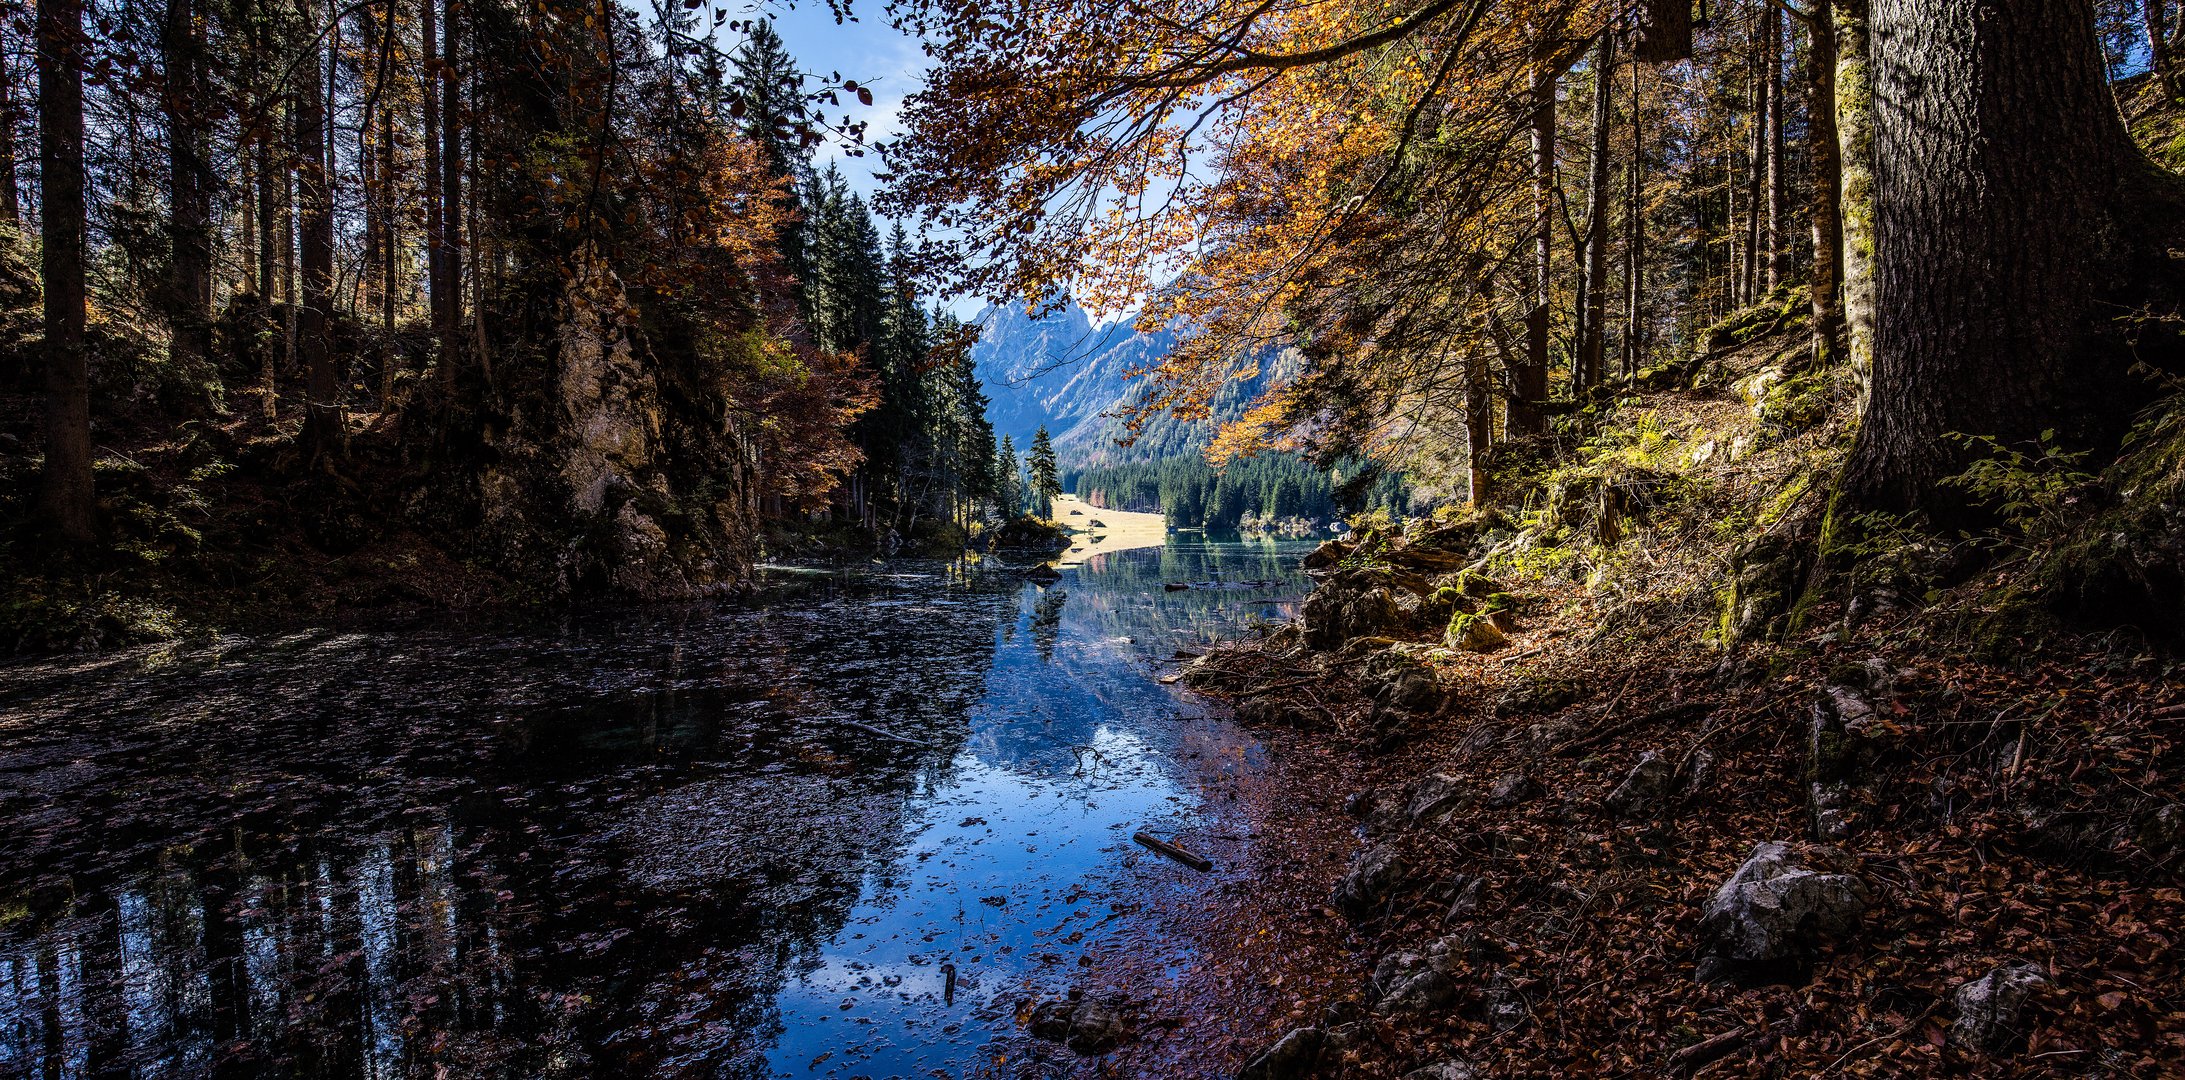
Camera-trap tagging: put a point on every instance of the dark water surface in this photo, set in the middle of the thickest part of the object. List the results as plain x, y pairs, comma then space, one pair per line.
737, 839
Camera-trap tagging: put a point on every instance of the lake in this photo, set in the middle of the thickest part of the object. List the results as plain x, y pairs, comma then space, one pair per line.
846, 827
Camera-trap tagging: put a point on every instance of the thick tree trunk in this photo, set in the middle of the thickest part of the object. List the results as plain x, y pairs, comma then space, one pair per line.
1756, 190
1530, 380
1855, 162
189, 179
66, 493
1593, 313
2016, 224
323, 429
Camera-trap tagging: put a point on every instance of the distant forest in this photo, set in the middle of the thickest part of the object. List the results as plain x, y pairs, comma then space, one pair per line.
1263, 489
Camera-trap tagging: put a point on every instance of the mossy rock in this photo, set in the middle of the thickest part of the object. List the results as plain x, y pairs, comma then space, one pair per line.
1473, 633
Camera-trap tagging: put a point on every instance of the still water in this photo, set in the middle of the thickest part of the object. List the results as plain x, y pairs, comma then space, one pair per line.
842, 829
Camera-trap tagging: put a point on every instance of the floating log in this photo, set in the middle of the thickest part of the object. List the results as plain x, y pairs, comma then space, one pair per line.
1162, 847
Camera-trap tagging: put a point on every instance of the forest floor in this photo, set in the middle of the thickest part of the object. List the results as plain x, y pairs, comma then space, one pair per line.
1547, 809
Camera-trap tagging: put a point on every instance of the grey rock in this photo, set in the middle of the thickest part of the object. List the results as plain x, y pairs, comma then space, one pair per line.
1832, 821
1989, 1007
1443, 1070
1375, 875
2163, 829
1506, 1009
1434, 796
1778, 906
1644, 788
1511, 789
1413, 689
1700, 772
1293, 1057
1465, 903
1413, 983
1093, 1024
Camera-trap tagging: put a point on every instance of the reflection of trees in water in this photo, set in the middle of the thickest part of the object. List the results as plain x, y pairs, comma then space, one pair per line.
380, 855
1123, 596
1047, 621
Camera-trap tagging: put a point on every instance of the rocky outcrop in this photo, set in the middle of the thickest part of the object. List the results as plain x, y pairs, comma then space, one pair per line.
1783, 904
599, 479
1411, 983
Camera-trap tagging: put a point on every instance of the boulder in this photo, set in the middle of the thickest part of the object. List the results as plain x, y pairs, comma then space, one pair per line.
1090, 1024
1644, 788
1295, 1056
1989, 1007
1783, 903
1375, 875
1473, 633
1434, 796
1326, 556
1412, 690
2163, 829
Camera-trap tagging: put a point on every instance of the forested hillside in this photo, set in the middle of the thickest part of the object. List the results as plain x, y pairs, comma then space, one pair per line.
446, 303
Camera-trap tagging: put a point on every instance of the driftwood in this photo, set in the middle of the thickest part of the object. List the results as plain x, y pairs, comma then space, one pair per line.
1197, 862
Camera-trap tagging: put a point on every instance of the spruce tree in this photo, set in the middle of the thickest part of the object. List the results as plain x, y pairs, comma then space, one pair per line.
1046, 479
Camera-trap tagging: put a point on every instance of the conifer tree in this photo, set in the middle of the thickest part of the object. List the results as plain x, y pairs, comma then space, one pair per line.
1046, 479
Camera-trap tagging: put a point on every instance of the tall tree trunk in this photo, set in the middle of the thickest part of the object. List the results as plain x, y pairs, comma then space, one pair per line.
1593, 314
189, 197
1826, 161
2156, 25
1855, 207
1635, 237
1479, 424
2016, 220
1777, 248
314, 323
1756, 183
11, 208
451, 192
1530, 380
436, 267
66, 494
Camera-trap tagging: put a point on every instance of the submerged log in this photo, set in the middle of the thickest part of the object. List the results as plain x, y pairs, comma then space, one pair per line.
1163, 847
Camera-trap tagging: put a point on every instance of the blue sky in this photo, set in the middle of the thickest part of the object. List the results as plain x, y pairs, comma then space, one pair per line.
867, 50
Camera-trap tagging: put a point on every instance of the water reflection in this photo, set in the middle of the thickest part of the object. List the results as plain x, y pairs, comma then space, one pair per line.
746, 839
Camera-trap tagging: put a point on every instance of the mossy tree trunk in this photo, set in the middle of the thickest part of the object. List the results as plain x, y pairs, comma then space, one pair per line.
66, 496
1854, 120
2015, 224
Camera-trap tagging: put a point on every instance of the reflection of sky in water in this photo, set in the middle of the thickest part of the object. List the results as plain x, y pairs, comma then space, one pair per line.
648, 841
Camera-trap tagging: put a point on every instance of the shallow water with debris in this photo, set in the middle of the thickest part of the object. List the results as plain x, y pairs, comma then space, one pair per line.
845, 828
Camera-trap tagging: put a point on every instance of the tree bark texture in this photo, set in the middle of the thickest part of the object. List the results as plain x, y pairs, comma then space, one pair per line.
1825, 159
2017, 229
